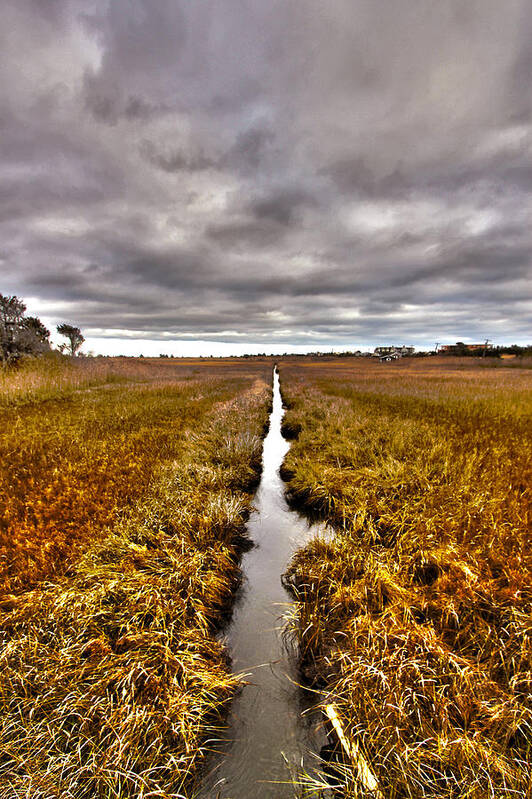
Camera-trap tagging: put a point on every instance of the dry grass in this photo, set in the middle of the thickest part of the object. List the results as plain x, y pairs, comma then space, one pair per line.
55, 376
71, 461
111, 675
415, 618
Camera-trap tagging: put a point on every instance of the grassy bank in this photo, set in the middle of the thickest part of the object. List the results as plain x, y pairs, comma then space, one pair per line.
414, 619
111, 676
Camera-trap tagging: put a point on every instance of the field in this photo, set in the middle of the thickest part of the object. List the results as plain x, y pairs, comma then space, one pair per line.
124, 493
125, 490
414, 617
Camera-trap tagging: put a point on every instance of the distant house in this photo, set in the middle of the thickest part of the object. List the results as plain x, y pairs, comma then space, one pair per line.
478, 347
463, 349
392, 353
391, 356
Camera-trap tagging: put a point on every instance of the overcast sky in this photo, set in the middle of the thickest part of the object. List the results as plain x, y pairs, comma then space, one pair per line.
242, 175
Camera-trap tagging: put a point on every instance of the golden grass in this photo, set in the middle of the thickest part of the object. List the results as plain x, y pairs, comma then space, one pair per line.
55, 376
70, 463
414, 619
111, 675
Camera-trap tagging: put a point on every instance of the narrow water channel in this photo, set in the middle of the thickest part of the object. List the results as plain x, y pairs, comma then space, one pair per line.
269, 736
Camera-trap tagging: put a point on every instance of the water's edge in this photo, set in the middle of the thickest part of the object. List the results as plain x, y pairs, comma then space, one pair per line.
270, 736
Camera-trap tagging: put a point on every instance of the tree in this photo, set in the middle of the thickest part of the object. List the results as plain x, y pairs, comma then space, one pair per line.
33, 337
37, 329
460, 349
19, 334
11, 315
74, 336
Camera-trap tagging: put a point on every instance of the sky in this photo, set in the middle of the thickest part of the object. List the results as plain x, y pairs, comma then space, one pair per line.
229, 176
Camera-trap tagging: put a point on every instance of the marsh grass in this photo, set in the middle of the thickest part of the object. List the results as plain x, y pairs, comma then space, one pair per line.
415, 618
70, 462
54, 376
67, 468
111, 675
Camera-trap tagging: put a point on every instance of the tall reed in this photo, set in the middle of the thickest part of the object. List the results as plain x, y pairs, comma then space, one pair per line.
414, 619
112, 677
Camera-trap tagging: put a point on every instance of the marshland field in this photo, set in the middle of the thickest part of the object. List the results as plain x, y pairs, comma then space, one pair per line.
126, 486
125, 489
415, 618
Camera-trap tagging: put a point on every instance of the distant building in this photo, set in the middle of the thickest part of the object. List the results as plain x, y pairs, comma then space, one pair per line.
461, 349
478, 347
391, 356
393, 353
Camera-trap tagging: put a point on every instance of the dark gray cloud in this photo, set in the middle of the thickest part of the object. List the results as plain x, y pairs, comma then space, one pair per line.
175, 160
300, 173
283, 205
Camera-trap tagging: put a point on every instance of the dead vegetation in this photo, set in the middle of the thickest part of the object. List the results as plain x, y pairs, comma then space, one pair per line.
415, 618
111, 674
69, 463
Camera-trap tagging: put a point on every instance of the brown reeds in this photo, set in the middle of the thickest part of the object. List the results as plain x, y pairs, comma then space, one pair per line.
111, 675
414, 619
69, 464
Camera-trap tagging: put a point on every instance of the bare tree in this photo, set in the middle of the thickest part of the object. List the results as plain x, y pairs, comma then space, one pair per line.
74, 336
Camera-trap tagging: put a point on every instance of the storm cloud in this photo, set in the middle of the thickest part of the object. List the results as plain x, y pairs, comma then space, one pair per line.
339, 174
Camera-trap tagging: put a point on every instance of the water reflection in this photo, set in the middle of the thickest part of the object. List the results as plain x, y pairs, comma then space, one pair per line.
269, 737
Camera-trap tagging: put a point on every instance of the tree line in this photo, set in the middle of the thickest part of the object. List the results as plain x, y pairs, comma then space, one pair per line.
26, 335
